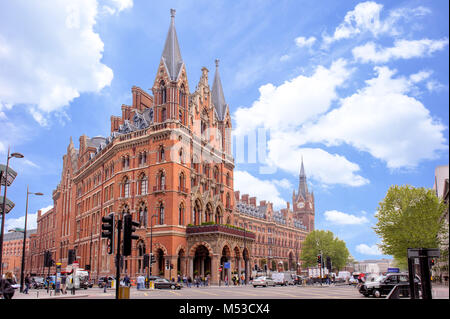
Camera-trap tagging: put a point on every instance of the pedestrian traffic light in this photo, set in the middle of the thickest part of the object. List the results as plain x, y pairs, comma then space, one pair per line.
146, 260
319, 259
129, 227
432, 262
108, 231
152, 259
167, 264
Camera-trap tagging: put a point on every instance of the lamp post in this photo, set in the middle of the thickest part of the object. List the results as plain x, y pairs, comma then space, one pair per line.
243, 256
151, 241
24, 239
8, 179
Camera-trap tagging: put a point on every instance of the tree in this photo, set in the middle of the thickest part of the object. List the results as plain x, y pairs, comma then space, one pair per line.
319, 241
409, 217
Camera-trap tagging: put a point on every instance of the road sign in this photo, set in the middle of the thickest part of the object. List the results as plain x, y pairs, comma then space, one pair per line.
393, 270
220, 268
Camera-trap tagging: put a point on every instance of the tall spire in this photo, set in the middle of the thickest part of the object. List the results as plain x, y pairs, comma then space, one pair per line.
302, 185
218, 97
171, 54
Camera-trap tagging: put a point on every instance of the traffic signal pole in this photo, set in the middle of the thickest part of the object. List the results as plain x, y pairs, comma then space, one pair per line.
119, 228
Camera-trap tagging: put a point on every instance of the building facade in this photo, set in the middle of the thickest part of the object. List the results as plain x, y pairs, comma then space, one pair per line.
168, 162
12, 251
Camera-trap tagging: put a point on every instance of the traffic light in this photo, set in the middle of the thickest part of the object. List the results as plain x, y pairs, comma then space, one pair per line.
319, 259
329, 263
152, 259
108, 231
71, 256
167, 264
46, 258
129, 227
146, 260
432, 262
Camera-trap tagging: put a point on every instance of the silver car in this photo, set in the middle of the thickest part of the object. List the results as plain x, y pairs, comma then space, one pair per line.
263, 281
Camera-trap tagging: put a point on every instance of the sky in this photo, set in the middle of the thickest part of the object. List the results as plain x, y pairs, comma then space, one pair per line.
357, 89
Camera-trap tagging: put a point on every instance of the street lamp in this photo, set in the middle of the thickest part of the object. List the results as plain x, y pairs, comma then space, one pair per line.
24, 239
151, 241
6, 179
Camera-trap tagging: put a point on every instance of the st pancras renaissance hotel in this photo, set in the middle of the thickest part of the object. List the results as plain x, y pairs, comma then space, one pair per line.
168, 162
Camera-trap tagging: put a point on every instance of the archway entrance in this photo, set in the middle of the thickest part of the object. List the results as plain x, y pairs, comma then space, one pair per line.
226, 256
181, 267
202, 261
160, 261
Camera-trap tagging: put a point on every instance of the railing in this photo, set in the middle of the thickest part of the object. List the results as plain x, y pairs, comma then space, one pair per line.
217, 228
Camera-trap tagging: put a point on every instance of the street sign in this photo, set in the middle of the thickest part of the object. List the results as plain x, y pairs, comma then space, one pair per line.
393, 270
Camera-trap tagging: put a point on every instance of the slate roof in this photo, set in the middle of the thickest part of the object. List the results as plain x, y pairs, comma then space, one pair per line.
171, 54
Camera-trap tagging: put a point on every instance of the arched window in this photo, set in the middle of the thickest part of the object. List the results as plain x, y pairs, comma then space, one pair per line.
161, 214
126, 187
182, 181
163, 92
181, 214
182, 95
163, 114
143, 216
228, 201
143, 184
181, 156
162, 181
228, 179
216, 175
162, 156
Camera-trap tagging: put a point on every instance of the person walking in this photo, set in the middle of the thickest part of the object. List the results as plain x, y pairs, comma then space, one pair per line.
8, 285
27, 284
126, 281
63, 284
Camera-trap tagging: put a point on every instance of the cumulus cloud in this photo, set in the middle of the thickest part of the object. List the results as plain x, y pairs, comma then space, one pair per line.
402, 49
384, 120
341, 218
246, 183
305, 42
19, 222
51, 54
365, 18
368, 250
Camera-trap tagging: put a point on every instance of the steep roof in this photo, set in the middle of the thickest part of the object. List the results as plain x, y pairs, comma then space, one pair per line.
218, 98
171, 54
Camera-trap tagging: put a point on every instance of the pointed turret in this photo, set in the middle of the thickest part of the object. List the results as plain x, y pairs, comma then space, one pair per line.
218, 97
302, 185
171, 54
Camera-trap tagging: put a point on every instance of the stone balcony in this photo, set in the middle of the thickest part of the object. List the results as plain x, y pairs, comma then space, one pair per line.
218, 228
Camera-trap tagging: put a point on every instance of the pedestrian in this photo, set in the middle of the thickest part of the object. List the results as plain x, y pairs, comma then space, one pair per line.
126, 281
105, 283
185, 280
140, 282
8, 285
27, 284
63, 284
197, 283
226, 280
189, 281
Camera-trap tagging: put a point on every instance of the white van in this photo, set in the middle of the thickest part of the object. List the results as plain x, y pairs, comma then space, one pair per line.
282, 278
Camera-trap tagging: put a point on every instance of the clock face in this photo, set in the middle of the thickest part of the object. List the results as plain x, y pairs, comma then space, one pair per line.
301, 204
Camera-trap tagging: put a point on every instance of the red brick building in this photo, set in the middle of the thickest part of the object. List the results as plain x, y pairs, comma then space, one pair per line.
12, 251
168, 162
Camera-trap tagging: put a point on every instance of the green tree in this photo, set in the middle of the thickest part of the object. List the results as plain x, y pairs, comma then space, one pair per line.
409, 217
319, 241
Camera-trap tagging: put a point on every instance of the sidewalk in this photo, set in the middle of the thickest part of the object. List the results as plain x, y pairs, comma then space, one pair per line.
42, 294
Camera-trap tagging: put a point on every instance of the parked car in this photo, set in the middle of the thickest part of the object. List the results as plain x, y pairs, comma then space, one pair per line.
37, 282
263, 281
163, 283
101, 281
384, 284
352, 281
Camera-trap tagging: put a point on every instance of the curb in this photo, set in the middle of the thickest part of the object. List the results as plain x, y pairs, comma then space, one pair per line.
66, 297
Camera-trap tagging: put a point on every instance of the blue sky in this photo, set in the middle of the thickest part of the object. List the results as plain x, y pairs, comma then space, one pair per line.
358, 89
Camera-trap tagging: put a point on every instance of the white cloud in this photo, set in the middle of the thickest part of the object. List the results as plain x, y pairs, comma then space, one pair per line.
383, 120
261, 189
284, 109
366, 18
305, 42
341, 218
402, 49
289, 104
19, 222
51, 54
285, 57
368, 250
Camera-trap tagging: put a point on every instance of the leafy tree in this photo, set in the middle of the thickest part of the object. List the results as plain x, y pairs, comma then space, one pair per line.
319, 241
409, 217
